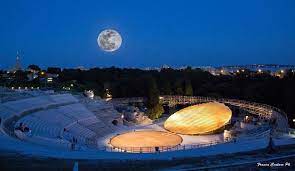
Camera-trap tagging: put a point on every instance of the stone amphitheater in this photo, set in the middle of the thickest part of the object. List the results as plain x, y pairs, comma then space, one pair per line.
54, 119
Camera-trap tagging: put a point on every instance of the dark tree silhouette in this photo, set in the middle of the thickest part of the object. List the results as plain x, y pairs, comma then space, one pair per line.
34, 67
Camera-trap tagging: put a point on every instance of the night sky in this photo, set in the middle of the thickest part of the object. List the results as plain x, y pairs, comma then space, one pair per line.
209, 32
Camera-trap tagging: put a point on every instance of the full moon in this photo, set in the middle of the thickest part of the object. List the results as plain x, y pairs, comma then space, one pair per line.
109, 40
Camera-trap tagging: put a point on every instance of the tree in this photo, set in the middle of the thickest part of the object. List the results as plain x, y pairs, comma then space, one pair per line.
155, 109
155, 112
54, 70
152, 92
34, 67
178, 87
166, 88
188, 89
290, 74
134, 83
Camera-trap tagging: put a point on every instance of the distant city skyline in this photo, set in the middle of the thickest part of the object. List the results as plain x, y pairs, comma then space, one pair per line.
207, 33
18, 66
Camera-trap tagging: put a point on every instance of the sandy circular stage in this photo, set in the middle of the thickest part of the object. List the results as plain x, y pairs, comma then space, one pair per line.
145, 141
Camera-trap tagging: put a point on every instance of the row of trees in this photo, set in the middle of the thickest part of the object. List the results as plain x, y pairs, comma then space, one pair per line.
262, 88
132, 82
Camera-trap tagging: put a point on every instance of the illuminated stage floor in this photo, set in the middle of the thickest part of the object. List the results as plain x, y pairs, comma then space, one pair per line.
145, 141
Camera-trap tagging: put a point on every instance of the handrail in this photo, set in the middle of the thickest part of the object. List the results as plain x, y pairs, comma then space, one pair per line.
253, 107
192, 99
181, 147
268, 110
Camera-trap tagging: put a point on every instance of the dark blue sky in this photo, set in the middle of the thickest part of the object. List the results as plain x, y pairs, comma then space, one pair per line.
212, 32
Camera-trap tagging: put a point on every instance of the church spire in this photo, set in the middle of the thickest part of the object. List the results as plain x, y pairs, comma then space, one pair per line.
17, 64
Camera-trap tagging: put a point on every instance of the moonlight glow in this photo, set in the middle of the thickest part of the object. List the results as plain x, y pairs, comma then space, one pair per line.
109, 40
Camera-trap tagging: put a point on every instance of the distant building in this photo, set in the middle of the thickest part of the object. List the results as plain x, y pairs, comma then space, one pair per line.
89, 94
31, 76
82, 68
279, 73
165, 66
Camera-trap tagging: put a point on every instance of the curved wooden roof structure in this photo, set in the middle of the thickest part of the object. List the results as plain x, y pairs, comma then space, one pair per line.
199, 119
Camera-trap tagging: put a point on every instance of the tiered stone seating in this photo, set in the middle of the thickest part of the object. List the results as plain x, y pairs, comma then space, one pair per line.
5, 112
108, 115
40, 127
23, 105
281, 121
97, 127
76, 111
77, 129
89, 121
51, 122
11, 95
50, 142
55, 117
64, 98
49, 114
19, 106
79, 132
